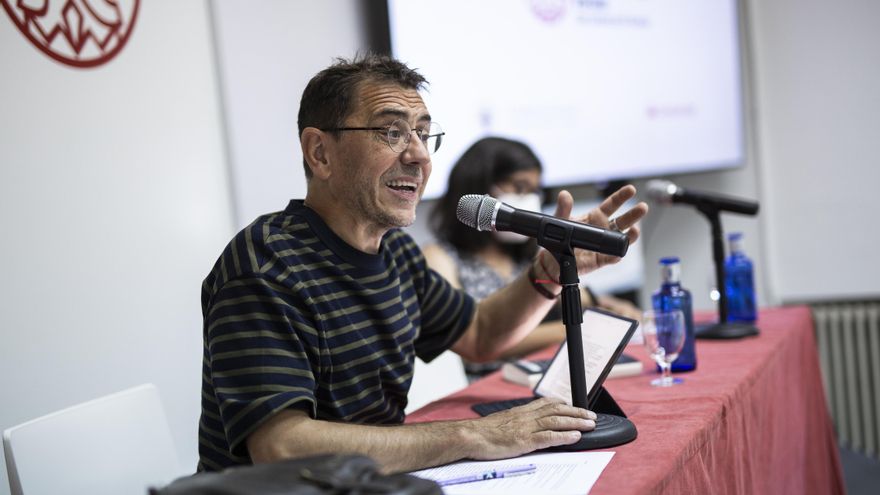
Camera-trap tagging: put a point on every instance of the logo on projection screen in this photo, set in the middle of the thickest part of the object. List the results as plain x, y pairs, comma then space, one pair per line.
79, 33
548, 10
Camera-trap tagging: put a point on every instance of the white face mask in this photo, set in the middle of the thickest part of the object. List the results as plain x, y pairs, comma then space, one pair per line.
529, 202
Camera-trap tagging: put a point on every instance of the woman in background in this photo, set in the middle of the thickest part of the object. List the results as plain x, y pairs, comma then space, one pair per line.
481, 264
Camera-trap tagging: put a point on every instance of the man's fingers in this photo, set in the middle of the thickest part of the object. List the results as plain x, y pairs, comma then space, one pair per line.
633, 233
547, 439
631, 216
615, 201
564, 204
539, 424
566, 423
563, 409
558, 407
551, 408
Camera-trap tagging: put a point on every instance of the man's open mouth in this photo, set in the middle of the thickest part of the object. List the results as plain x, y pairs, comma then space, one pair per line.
400, 185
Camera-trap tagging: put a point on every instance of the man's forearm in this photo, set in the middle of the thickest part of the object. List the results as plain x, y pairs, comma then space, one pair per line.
395, 448
537, 425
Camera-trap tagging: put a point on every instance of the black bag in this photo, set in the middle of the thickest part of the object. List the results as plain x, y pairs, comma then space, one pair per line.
320, 475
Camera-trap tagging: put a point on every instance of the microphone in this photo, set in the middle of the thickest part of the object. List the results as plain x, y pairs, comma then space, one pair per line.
664, 191
483, 212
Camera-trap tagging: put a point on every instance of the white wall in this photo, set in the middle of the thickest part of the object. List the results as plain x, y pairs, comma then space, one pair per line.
817, 75
114, 205
267, 52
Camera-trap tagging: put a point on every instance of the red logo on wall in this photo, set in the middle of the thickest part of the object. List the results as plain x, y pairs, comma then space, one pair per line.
79, 33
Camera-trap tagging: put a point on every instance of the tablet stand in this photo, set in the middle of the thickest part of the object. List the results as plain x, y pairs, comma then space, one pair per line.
612, 427
723, 329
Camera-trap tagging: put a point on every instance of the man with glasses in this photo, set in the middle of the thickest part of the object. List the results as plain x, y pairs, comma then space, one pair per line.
313, 315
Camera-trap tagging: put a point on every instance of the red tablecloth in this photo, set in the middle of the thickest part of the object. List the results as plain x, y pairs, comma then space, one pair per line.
751, 419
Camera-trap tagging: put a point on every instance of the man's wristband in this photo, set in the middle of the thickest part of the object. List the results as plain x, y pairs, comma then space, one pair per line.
539, 284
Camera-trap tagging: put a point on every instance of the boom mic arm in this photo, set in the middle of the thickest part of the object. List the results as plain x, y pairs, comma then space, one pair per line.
664, 191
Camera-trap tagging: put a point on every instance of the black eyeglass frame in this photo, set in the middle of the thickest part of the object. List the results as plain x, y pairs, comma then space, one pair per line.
387, 128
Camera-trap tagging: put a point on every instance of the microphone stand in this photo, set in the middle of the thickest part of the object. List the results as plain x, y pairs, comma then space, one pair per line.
572, 317
612, 427
723, 329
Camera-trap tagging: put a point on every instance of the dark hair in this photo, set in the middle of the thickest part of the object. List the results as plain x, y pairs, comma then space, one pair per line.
329, 97
487, 162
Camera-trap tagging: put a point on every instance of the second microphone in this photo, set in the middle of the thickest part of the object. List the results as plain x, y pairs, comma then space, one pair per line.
483, 212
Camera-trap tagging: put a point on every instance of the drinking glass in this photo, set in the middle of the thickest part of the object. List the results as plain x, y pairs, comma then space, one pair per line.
664, 336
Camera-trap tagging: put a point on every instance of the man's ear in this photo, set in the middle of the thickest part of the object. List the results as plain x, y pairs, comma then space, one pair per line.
314, 149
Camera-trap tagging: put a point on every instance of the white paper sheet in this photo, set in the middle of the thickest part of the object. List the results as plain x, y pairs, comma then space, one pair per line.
566, 473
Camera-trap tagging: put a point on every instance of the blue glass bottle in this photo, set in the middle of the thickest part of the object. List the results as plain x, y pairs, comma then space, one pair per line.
673, 296
739, 282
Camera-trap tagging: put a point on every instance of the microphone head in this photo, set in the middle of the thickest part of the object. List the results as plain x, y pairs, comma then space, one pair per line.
477, 211
661, 191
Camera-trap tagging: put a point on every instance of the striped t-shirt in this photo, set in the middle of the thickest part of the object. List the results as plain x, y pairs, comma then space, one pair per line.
296, 318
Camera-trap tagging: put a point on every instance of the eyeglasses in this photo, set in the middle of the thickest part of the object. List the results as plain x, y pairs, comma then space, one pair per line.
398, 134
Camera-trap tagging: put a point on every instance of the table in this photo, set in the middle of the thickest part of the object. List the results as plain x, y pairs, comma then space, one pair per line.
751, 419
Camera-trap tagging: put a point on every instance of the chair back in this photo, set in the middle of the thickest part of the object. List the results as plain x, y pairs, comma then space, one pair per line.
118, 444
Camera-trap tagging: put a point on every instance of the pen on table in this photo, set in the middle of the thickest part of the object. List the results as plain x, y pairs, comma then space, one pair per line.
503, 472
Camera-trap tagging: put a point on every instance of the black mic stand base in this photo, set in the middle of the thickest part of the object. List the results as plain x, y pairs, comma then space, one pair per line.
612, 427
610, 431
725, 331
